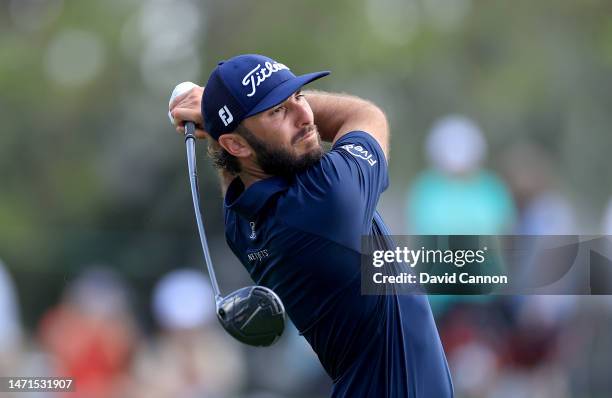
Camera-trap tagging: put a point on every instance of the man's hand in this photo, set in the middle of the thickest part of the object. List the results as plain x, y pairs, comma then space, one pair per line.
187, 108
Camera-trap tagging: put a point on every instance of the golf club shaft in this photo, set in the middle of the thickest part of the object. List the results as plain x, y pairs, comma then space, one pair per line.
195, 194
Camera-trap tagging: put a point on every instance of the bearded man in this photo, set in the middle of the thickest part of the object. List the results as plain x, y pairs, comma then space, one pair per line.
295, 216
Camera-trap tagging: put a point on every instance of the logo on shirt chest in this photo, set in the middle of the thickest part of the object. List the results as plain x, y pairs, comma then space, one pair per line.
360, 152
253, 235
258, 255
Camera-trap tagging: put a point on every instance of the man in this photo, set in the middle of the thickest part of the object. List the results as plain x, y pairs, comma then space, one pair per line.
295, 215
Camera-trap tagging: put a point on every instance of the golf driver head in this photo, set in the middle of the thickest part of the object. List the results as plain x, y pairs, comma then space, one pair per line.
254, 315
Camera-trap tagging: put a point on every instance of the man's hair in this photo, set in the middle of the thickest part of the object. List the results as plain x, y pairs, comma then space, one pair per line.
222, 159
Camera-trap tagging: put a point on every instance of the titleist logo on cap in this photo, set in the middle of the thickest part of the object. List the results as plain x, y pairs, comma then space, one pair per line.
258, 75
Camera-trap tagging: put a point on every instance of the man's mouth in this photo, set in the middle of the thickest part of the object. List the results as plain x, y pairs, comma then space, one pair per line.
304, 133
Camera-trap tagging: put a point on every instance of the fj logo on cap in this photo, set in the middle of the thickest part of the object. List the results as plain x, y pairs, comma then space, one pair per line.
226, 115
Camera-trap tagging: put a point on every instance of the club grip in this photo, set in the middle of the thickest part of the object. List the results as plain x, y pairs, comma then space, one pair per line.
189, 130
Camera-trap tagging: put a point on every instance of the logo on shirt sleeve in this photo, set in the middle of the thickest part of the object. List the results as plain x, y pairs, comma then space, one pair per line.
360, 152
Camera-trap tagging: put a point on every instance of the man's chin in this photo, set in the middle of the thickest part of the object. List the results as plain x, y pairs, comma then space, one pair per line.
311, 144
310, 158
287, 163
312, 150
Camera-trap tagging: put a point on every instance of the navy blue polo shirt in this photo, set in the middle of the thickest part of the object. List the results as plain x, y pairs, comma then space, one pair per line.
302, 238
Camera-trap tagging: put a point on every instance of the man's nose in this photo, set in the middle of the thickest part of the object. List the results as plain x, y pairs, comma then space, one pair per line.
303, 114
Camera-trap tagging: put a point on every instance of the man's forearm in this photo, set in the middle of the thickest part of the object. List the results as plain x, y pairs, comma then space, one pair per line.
337, 114
332, 110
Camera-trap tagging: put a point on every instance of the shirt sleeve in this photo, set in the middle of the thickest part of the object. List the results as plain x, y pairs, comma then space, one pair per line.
337, 197
365, 158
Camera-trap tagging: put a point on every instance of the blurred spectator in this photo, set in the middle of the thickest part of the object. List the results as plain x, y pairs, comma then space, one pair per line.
549, 213
472, 349
532, 347
90, 334
543, 209
192, 356
495, 347
11, 337
457, 196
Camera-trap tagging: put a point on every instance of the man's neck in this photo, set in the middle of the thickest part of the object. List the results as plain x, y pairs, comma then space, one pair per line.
250, 177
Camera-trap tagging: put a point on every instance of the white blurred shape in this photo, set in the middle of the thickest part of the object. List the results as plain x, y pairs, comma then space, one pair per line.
394, 21
163, 37
99, 292
455, 145
74, 57
474, 367
160, 71
546, 310
172, 28
10, 326
160, 18
33, 15
549, 214
446, 15
183, 299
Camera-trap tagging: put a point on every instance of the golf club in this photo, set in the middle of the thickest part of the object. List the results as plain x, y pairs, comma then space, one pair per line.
254, 315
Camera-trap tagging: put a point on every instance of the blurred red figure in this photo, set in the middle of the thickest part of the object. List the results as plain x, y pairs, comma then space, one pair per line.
90, 335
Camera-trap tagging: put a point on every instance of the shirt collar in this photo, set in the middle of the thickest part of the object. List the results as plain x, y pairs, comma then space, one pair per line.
248, 202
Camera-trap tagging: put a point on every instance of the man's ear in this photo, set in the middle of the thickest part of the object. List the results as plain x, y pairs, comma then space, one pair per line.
235, 145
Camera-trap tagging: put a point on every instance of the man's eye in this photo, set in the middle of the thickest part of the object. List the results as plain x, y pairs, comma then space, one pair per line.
279, 109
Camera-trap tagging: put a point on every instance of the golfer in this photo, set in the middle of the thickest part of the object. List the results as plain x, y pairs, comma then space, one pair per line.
295, 215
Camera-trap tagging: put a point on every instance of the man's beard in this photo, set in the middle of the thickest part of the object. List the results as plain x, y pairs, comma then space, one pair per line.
281, 161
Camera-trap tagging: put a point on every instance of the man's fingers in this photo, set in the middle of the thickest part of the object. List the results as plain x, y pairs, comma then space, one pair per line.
177, 100
199, 133
186, 108
182, 115
192, 96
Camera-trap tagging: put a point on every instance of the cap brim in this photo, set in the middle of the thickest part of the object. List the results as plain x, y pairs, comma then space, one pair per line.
284, 91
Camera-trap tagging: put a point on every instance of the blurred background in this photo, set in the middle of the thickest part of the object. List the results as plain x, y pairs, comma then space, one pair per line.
500, 115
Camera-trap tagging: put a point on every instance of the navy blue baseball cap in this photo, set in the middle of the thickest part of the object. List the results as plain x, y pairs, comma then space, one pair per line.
244, 86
